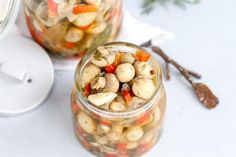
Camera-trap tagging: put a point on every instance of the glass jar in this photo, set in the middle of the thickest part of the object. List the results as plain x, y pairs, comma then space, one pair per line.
71, 27
114, 141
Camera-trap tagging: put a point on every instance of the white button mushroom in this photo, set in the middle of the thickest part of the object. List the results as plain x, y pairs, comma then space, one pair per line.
120, 99
100, 99
157, 114
115, 133
86, 122
74, 35
134, 133
117, 107
89, 73
98, 83
147, 137
127, 58
142, 69
143, 88
40, 14
62, 9
125, 72
132, 145
112, 83
104, 7
101, 140
147, 120
97, 28
102, 129
93, 2
72, 17
103, 57
155, 123
135, 102
85, 19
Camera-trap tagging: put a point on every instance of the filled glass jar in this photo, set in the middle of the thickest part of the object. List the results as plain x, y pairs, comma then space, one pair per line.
71, 27
118, 102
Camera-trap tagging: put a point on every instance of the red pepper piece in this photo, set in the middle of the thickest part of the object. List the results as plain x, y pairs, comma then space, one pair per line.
142, 56
70, 45
110, 68
121, 146
52, 8
127, 95
87, 89
84, 9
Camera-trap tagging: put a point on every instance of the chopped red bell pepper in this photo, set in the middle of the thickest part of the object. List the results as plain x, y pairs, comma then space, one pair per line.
142, 56
87, 89
121, 146
70, 45
110, 68
84, 9
127, 95
52, 8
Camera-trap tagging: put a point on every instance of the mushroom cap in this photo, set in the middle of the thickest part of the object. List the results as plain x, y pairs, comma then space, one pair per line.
134, 133
112, 83
117, 107
142, 69
86, 122
74, 35
100, 99
125, 72
98, 83
103, 57
127, 58
89, 73
143, 88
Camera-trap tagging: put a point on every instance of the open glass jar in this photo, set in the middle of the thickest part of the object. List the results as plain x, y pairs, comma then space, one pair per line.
71, 27
123, 132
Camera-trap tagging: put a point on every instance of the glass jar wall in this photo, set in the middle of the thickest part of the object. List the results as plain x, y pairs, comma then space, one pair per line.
71, 27
127, 133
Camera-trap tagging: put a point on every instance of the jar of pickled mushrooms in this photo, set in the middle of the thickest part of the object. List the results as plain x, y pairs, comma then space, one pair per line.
118, 102
70, 27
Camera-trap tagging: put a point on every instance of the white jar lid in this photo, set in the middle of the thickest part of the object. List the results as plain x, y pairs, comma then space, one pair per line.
26, 71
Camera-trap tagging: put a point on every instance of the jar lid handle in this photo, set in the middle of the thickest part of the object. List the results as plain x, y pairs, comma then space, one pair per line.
13, 72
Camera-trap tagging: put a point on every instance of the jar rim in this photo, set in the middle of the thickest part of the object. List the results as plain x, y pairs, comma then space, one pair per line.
107, 114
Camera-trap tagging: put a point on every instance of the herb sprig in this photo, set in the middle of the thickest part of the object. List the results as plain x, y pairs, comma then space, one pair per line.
148, 5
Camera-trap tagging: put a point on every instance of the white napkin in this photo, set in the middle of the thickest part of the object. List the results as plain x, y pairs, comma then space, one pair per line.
132, 31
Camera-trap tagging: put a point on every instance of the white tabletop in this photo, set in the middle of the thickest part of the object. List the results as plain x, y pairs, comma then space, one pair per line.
205, 43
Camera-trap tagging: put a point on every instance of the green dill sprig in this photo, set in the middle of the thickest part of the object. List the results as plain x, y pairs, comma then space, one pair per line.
148, 5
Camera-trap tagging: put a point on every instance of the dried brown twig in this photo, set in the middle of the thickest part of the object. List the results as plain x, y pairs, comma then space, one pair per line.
169, 61
203, 93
